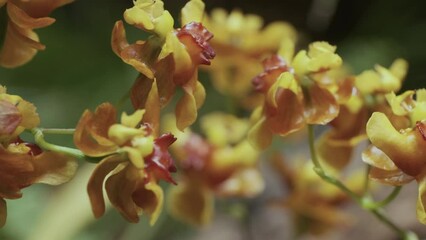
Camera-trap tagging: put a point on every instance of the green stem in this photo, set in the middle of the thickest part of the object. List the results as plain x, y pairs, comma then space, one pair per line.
365, 202
61, 131
386, 201
39, 139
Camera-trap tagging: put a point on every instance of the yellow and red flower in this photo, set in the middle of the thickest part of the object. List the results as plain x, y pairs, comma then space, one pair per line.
240, 41
335, 146
223, 164
168, 59
297, 91
134, 160
23, 164
398, 149
21, 43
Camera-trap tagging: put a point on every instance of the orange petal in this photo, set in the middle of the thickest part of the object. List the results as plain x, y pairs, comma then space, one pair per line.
260, 136
91, 134
186, 109
288, 116
138, 55
24, 21
321, 106
53, 168
152, 107
96, 182
164, 77
118, 38
192, 203
120, 188
3, 212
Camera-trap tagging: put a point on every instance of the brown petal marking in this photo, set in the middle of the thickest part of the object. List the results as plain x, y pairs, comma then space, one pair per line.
164, 76
118, 38
321, 106
96, 181
10, 117
3, 212
348, 125
288, 116
140, 91
421, 127
91, 134
137, 55
120, 188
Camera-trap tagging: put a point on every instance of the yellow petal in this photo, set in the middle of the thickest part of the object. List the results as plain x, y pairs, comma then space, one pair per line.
186, 109
192, 203
193, 11
138, 17
133, 120
259, 135
399, 68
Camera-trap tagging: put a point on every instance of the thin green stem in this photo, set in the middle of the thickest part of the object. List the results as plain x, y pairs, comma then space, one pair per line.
386, 201
365, 202
60, 131
39, 139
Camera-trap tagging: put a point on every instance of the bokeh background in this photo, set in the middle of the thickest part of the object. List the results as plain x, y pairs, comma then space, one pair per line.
78, 70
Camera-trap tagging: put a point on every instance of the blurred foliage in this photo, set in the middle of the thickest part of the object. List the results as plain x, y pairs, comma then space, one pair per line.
78, 70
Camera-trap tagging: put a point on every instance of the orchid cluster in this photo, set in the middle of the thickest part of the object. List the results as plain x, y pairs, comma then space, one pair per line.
275, 90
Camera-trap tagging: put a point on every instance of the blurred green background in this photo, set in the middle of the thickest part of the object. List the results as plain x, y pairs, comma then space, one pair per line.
78, 70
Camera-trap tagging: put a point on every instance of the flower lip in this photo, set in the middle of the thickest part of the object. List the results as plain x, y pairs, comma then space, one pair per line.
35, 150
201, 36
273, 65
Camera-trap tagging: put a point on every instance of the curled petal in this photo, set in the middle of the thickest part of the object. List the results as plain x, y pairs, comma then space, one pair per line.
150, 198
321, 107
96, 182
377, 158
91, 134
160, 163
118, 38
120, 187
40, 8
186, 108
53, 168
24, 21
196, 39
191, 202
407, 150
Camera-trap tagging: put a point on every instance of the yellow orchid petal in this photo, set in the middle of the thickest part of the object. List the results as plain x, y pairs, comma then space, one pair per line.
120, 134
193, 11
418, 113
186, 109
300, 63
135, 157
138, 17
322, 57
191, 202
377, 158
402, 104
132, 120
407, 150
399, 68
286, 50
389, 82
